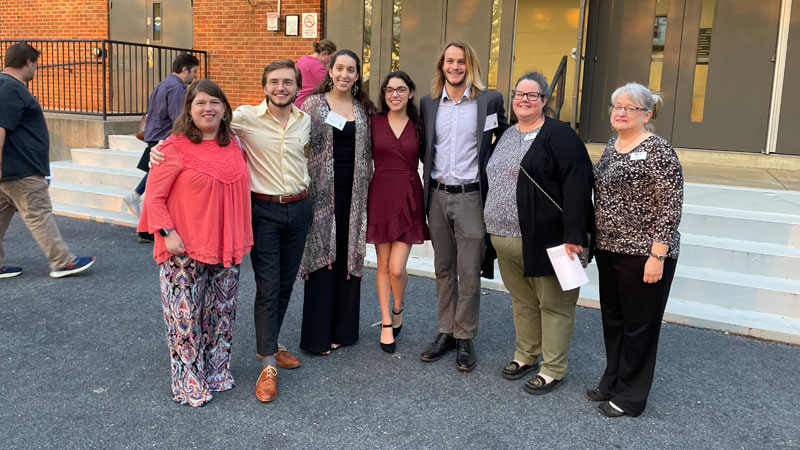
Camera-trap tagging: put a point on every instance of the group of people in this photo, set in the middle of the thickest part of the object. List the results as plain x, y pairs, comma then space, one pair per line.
304, 189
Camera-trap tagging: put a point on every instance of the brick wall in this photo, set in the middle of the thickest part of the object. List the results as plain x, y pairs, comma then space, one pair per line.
235, 35
53, 19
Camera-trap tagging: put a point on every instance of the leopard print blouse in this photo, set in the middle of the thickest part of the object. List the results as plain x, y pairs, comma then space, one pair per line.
638, 198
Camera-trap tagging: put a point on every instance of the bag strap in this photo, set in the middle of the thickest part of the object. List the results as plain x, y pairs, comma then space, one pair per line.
540, 188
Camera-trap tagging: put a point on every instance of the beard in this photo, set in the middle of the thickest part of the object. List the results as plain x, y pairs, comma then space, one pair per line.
289, 100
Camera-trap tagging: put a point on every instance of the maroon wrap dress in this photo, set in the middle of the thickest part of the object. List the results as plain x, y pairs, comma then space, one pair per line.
395, 210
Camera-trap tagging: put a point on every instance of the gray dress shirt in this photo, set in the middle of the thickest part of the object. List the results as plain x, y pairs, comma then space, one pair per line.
456, 157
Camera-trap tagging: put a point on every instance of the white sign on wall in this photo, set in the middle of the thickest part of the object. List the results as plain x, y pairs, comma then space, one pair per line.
272, 21
308, 23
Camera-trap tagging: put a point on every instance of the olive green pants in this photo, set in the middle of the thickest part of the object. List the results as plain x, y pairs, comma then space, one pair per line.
544, 315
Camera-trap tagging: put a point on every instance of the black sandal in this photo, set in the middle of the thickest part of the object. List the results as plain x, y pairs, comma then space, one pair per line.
515, 370
388, 348
538, 386
396, 330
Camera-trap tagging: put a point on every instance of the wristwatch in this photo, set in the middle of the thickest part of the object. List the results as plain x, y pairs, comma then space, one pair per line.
658, 257
164, 232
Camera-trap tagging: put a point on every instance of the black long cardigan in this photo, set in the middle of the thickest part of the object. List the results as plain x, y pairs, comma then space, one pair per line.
557, 159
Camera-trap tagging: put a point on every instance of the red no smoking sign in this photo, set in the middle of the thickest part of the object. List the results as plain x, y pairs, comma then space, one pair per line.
309, 24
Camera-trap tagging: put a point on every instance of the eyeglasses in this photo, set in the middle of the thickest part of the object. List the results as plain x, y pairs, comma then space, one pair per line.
402, 90
531, 96
628, 109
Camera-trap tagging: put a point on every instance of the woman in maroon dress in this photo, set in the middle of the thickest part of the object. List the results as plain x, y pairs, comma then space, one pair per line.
396, 216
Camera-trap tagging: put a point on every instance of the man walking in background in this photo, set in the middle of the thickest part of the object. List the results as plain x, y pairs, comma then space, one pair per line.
165, 104
24, 164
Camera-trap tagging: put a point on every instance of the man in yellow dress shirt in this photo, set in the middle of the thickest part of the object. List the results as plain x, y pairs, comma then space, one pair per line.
275, 136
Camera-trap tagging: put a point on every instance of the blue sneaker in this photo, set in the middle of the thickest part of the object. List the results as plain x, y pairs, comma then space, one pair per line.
77, 265
10, 271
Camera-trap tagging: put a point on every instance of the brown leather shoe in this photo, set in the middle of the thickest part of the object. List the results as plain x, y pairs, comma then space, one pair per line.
285, 359
267, 384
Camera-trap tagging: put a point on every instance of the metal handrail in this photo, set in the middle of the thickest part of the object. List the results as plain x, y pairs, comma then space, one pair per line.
100, 77
558, 85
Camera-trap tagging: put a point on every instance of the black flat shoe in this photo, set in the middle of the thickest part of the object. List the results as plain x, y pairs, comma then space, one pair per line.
515, 370
442, 343
609, 411
388, 348
396, 329
595, 395
537, 385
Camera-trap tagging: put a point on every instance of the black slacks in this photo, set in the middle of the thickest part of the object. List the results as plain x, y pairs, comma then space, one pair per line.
332, 298
632, 311
279, 236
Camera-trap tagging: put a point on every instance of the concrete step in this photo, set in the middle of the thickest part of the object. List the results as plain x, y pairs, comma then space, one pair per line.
72, 172
96, 215
97, 197
762, 294
118, 159
746, 257
742, 198
126, 142
754, 226
703, 314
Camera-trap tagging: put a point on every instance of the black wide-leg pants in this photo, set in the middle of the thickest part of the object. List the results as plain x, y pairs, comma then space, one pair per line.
632, 312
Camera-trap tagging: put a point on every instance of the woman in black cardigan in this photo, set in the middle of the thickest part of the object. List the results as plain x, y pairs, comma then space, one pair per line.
525, 220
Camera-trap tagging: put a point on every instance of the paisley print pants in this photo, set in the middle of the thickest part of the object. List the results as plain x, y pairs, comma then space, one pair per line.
199, 302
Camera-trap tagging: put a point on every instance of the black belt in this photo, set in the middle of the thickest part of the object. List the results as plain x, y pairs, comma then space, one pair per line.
455, 188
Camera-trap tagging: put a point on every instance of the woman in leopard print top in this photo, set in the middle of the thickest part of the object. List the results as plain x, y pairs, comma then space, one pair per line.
638, 199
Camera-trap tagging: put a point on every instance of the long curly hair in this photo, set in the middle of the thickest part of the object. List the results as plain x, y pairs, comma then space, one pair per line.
357, 91
411, 107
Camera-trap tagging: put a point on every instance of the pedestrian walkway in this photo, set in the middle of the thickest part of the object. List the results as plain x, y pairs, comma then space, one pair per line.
85, 365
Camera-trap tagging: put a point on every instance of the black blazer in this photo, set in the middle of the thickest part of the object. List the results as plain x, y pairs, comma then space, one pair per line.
557, 159
489, 102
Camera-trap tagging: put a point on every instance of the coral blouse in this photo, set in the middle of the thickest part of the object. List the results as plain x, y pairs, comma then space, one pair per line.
203, 192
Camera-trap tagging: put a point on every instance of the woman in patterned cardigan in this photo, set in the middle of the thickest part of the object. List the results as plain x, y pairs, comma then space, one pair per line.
638, 199
340, 167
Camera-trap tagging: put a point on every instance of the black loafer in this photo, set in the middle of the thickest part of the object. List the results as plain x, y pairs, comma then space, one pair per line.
537, 385
442, 343
465, 355
515, 370
596, 395
609, 411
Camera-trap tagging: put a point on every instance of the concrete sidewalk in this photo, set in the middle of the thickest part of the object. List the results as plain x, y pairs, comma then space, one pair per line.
85, 365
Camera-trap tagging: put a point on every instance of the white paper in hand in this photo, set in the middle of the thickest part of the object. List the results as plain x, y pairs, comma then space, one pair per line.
570, 273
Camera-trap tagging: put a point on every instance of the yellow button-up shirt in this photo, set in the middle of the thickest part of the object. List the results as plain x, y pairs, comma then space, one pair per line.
277, 157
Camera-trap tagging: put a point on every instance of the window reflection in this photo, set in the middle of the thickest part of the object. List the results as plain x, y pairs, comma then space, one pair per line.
396, 10
703, 59
494, 45
659, 39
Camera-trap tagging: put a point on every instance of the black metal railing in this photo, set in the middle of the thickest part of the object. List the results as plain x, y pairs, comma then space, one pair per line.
557, 85
100, 76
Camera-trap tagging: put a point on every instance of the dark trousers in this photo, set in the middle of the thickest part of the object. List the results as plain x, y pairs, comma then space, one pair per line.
632, 311
332, 297
279, 236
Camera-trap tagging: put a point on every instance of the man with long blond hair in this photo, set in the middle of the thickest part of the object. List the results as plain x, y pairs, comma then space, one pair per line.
461, 118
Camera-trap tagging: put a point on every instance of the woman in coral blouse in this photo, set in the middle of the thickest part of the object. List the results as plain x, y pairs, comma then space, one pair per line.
198, 208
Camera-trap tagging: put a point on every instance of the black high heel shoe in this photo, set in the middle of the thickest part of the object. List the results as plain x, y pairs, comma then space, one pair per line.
396, 330
388, 348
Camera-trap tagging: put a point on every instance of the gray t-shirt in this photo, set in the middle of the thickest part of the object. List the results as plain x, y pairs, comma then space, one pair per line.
26, 151
500, 213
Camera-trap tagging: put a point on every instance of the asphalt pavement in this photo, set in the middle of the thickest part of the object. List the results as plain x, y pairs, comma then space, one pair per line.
85, 365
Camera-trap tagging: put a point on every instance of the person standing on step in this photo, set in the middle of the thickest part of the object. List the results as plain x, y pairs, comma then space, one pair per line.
165, 105
461, 119
24, 164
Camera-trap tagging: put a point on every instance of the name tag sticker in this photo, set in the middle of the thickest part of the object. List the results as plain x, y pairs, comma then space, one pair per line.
491, 122
530, 136
636, 156
336, 121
